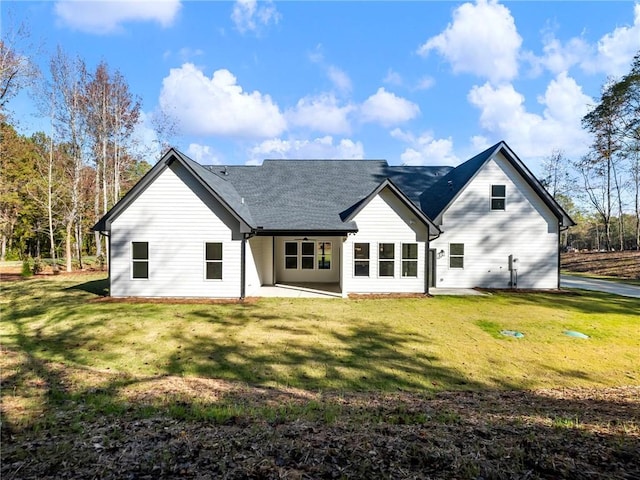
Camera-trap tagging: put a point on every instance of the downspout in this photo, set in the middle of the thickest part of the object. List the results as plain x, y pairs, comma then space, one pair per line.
427, 267
108, 258
561, 229
243, 266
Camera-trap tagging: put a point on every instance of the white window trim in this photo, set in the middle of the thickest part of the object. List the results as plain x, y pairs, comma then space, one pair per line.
318, 256
302, 255
368, 260
415, 260
456, 256
221, 261
285, 256
132, 261
390, 260
492, 198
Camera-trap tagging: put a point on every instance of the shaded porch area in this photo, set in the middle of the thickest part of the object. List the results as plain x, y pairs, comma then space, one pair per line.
301, 290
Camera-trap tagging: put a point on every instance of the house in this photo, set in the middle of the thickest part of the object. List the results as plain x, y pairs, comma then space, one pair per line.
361, 226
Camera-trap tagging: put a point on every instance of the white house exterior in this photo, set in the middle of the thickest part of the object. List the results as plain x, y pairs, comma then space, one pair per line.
360, 226
526, 229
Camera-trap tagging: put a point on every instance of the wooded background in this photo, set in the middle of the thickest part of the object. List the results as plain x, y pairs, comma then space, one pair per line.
55, 185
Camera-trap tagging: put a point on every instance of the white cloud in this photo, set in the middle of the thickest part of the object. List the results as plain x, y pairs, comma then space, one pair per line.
317, 55
558, 57
611, 55
319, 148
482, 39
218, 105
103, 17
503, 113
321, 113
425, 150
339, 79
393, 78
615, 50
203, 154
425, 83
387, 109
479, 143
250, 16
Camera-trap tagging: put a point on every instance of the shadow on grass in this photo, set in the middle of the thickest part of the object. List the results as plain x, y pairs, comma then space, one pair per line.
582, 301
375, 359
96, 287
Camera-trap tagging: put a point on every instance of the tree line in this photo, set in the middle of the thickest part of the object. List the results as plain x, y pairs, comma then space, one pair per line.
55, 185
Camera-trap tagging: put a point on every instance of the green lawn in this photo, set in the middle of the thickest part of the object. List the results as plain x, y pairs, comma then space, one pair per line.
361, 388
439, 343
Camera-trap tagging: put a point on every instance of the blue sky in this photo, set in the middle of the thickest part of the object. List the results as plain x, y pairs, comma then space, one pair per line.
417, 82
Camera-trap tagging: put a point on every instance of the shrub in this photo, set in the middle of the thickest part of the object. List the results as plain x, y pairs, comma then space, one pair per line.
26, 268
38, 266
102, 261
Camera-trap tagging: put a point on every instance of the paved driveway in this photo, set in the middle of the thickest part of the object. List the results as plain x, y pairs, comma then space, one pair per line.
569, 281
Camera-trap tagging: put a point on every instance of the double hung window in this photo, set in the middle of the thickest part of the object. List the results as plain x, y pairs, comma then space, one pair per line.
409, 259
361, 259
456, 255
213, 261
498, 197
386, 259
140, 259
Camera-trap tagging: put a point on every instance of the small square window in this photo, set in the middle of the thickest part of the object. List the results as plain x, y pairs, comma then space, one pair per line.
140, 269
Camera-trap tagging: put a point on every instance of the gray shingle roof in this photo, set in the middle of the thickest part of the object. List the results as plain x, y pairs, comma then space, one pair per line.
315, 194
436, 198
319, 195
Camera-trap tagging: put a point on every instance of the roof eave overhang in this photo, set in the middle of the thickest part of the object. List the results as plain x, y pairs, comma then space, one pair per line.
263, 232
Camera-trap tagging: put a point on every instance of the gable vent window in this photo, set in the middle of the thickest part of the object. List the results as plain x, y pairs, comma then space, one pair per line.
213, 260
409, 259
498, 197
386, 259
140, 259
456, 255
361, 259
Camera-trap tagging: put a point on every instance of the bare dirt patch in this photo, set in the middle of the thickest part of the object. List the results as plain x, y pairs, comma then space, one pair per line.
613, 264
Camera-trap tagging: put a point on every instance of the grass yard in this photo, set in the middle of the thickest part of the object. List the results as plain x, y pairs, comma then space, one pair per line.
92, 381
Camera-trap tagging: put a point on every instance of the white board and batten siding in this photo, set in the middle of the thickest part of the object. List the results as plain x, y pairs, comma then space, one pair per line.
385, 219
177, 217
526, 229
